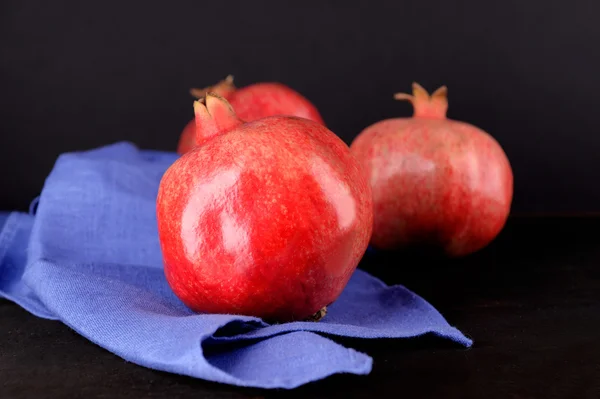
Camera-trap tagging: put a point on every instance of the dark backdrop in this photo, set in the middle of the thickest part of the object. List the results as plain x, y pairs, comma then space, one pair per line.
80, 74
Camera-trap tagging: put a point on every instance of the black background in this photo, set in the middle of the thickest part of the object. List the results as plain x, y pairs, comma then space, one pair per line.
80, 74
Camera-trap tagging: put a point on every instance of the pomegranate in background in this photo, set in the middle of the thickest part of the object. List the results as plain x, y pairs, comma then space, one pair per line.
437, 183
267, 218
253, 102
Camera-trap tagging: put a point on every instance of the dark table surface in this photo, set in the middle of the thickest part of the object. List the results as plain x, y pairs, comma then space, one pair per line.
531, 302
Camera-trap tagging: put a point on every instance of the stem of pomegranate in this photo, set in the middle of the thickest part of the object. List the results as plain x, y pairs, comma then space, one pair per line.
319, 315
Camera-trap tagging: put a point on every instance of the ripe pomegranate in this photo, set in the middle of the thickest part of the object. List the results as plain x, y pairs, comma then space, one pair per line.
267, 218
437, 183
253, 102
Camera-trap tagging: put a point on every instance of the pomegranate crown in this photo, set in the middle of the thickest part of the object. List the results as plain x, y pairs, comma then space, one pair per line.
224, 88
213, 116
432, 106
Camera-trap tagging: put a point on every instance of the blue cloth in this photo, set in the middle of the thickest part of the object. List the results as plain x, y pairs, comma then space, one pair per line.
90, 258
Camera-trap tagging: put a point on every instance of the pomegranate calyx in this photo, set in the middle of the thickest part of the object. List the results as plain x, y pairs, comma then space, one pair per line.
432, 106
223, 88
214, 115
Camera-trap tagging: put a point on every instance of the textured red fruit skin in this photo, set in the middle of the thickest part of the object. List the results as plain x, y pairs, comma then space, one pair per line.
436, 182
254, 102
269, 219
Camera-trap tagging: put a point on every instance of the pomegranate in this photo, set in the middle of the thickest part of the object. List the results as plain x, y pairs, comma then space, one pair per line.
266, 218
253, 102
437, 183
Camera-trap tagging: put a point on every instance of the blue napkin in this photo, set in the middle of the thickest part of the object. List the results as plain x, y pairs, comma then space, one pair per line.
90, 258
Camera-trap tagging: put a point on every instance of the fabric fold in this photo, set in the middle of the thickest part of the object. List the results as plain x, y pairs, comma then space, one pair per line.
90, 258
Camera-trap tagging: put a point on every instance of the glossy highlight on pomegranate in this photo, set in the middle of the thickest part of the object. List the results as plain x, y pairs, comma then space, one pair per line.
437, 183
253, 102
266, 218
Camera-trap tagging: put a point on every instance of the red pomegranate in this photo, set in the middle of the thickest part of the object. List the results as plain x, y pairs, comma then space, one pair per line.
437, 183
253, 102
267, 218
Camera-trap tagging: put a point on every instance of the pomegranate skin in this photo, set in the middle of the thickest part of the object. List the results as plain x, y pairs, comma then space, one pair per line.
269, 219
437, 183
254, 102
